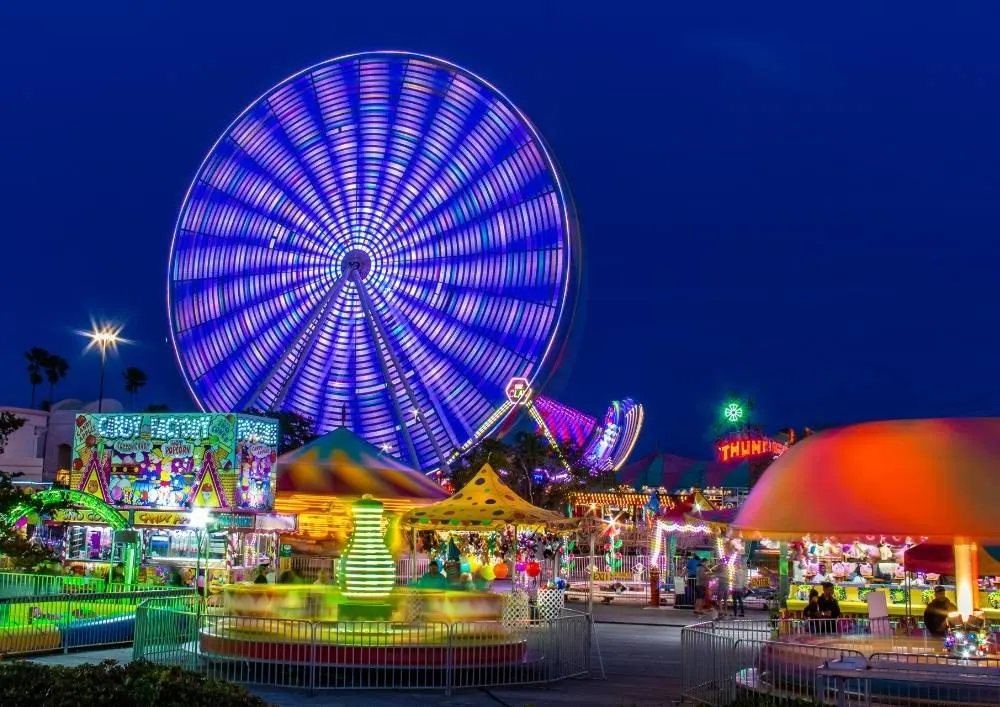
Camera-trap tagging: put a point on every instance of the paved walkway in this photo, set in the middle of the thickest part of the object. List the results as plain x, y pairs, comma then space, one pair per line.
640, 650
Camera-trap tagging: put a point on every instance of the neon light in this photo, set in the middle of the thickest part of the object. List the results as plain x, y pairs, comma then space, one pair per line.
379, 233
369, 570
518, 390
606, 446
685, 528
176, 461
748, 447
102, 510
733, 413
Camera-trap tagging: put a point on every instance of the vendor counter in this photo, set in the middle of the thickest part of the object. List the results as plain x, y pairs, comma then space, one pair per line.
853, 598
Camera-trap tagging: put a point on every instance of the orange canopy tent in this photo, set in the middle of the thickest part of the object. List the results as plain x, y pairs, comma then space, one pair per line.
925, 479
319, 481
930, 480
484, 502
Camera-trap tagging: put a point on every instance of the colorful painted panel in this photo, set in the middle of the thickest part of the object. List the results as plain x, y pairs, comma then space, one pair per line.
176, 461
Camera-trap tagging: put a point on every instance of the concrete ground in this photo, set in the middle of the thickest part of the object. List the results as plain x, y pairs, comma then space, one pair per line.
639, 648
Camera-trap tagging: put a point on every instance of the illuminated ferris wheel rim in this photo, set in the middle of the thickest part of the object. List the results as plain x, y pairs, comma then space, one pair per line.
359, 259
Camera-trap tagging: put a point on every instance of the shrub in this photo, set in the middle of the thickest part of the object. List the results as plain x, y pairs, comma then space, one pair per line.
112, 684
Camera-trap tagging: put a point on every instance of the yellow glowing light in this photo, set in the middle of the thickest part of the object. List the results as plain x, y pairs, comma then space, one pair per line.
966, 576
104, 337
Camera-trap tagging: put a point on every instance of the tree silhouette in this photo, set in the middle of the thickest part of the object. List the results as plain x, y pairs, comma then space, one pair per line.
533, 468
36, 357
157, 407
56, 368
134, 380
296, 430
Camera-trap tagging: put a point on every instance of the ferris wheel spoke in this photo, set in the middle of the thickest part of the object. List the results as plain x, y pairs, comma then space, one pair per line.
462, 340
394, 358
508, 185
379, 345
295, 355
219, 219
375, 86
227, 339
455, 152
297, 110
235, 175
431, 365
265, 145
333, 90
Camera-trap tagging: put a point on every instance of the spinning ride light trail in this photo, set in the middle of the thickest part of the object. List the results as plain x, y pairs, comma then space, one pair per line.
606, 444
381, 241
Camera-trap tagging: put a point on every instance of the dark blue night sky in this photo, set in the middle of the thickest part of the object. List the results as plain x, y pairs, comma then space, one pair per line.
793, 203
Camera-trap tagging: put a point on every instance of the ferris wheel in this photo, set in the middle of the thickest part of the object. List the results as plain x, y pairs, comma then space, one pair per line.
381, 241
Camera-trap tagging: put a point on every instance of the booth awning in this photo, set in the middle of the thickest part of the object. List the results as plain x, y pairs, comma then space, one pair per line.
342, 464
484, 502
674, 473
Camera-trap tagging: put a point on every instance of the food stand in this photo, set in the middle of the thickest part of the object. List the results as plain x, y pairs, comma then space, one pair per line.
155, 469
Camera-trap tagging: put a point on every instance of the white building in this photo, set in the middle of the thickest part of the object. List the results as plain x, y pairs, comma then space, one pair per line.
24, 452
44, 444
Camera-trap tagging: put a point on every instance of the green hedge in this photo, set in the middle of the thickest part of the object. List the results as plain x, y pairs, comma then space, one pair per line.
137, 684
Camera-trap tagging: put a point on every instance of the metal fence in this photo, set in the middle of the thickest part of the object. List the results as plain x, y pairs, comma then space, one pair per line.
308, 567
360, 655
50, 622
791, 661
19, 584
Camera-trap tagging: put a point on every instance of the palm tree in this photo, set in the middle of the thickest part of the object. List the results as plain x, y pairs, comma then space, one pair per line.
37, 358
56, 368
134, 380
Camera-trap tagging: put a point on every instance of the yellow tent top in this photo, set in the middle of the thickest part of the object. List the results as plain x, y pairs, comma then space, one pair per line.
484, 502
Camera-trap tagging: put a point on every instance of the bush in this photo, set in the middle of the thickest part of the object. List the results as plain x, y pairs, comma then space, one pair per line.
137, 684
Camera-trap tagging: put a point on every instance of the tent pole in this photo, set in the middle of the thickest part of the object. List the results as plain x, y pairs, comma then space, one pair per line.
413, 553
590, 576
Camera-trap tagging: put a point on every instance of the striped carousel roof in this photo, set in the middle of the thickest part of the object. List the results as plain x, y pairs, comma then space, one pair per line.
342, 464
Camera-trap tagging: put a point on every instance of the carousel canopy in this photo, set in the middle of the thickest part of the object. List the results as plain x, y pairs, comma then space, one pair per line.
674, 473
931, 479
484, 501
342, 464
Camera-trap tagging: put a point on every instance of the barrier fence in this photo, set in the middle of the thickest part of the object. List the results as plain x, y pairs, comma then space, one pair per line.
49, 622
728, 663
20, 584
362, 655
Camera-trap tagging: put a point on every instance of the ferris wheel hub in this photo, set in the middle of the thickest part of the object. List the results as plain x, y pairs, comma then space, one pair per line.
357, 261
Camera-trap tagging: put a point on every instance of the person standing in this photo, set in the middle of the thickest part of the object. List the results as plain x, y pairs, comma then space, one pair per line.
740, 581
829, 608
722, 587
701, 588
937, 611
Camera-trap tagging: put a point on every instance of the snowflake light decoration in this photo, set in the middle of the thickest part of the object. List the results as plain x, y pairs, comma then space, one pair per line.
733, 413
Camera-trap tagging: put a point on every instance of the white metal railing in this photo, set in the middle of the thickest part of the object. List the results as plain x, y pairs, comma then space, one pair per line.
780, 661
322, 655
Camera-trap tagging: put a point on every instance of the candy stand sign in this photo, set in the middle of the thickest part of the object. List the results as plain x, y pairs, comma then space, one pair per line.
176, 461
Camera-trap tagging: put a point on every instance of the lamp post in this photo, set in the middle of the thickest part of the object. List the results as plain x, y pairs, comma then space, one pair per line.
103, 337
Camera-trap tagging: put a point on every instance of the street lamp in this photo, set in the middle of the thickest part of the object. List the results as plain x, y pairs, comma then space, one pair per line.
103, 337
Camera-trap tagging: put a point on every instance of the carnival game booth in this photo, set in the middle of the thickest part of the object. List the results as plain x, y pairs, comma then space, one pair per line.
723, 484
320, 481
156, 470
485, 506
904, 483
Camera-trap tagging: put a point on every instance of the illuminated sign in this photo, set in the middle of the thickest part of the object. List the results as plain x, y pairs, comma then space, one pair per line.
517, 391
733, 412
161, 518
748, 448
176, 461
